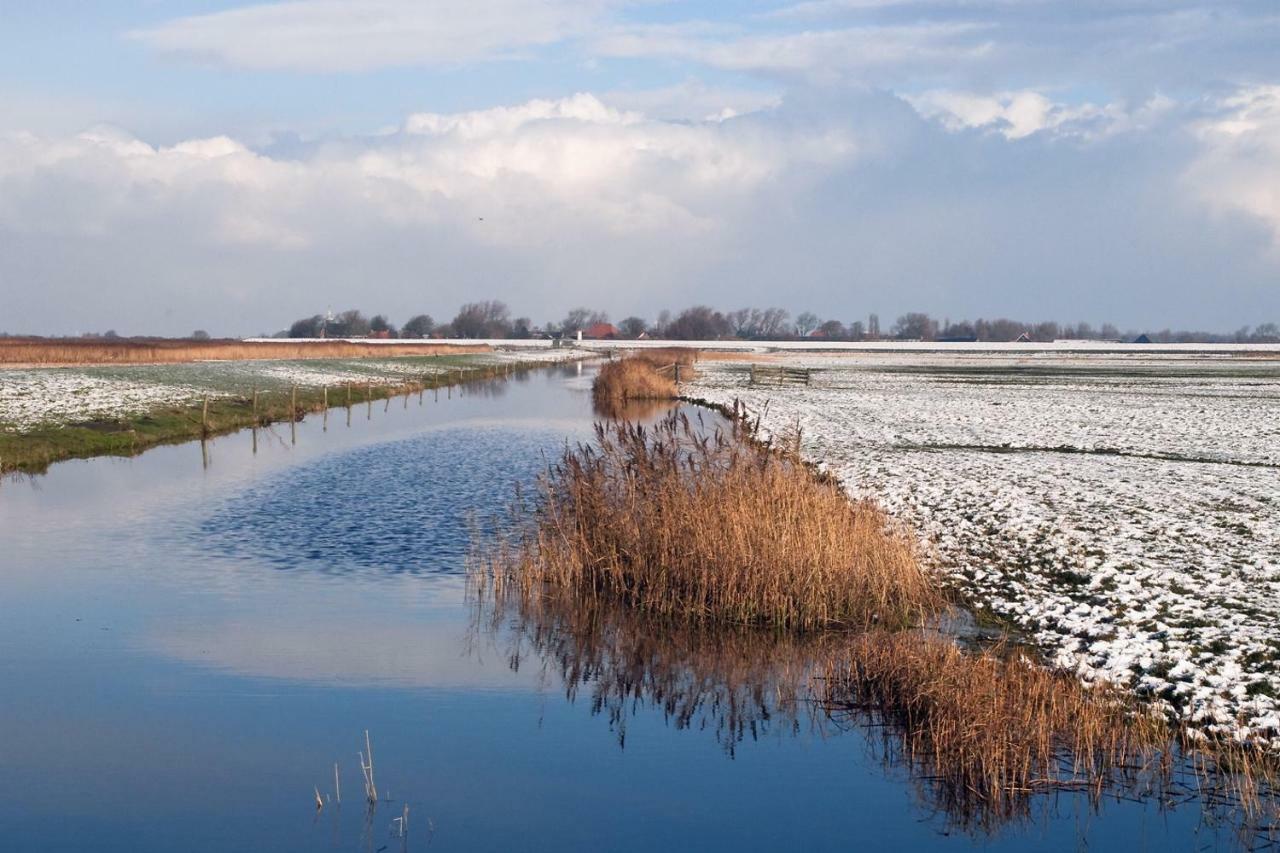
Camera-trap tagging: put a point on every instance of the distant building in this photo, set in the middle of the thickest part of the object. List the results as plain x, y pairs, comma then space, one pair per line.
1142, 339
1023, 338
600, 332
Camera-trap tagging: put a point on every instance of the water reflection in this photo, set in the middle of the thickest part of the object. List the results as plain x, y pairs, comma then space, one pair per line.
736, 685
642, 411
744, 685
405, 506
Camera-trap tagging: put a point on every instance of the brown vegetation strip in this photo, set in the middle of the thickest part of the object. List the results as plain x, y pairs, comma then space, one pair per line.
642, 376
52, 351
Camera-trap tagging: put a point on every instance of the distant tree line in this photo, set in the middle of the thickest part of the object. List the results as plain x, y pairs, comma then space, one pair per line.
492, 319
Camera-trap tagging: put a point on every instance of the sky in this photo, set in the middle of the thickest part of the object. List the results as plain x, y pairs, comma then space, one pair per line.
171, 165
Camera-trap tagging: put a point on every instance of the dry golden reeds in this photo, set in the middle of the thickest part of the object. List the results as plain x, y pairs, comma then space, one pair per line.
648, 374
51, 351
628, 380
664, 356
711, 528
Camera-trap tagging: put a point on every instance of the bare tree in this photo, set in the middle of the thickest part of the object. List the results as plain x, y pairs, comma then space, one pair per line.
490, 319
772, 323
806, 322
915, 326
632, 327
699, 323
418, 326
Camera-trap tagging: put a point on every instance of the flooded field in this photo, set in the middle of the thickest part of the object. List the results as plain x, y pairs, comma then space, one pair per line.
191, 639
1121, 510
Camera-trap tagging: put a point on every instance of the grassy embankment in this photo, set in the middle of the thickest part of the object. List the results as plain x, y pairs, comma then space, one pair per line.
690, 531
33, 450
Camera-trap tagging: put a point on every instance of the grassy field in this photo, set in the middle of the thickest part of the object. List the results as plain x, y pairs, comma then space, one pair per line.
47, 415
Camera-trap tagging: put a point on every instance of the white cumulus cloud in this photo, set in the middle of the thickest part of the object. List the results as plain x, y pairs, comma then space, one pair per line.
1238, 170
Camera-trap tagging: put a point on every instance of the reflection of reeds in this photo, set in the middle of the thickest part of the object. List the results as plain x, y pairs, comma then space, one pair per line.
735, 682
638, 411
711, 528
989, 730
983, 736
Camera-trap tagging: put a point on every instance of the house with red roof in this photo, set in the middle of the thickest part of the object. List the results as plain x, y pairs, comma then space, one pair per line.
600, 332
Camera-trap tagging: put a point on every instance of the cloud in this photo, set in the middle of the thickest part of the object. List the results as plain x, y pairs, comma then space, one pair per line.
693, 100
1238, 170
602, 169
904, 45
908, 45
824, 54
331, 35
837, 203
1016, 115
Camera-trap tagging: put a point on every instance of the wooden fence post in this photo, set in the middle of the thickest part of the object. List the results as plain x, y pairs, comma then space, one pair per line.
204, 417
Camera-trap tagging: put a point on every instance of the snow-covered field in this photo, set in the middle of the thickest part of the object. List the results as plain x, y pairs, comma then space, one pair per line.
1122, 509
32, 397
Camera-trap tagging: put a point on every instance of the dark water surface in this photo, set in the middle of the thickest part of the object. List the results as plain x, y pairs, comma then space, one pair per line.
188, 642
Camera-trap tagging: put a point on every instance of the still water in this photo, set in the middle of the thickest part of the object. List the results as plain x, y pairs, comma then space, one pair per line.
189, 641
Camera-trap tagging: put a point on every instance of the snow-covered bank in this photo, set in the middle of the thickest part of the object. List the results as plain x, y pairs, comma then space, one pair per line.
1123, 511
32, 397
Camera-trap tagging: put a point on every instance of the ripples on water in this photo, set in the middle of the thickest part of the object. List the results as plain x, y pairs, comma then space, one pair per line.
404, 507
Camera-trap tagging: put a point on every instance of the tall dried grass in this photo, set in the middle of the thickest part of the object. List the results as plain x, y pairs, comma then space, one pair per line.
642, 375
714, 528
665, 356
49, 351
630, 379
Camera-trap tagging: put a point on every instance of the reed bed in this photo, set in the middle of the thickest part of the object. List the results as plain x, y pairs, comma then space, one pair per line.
628, 380
642, 375
665, 356
710, 527
49, 351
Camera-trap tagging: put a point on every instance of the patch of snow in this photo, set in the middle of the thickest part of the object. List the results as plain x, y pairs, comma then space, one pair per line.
1123, 512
